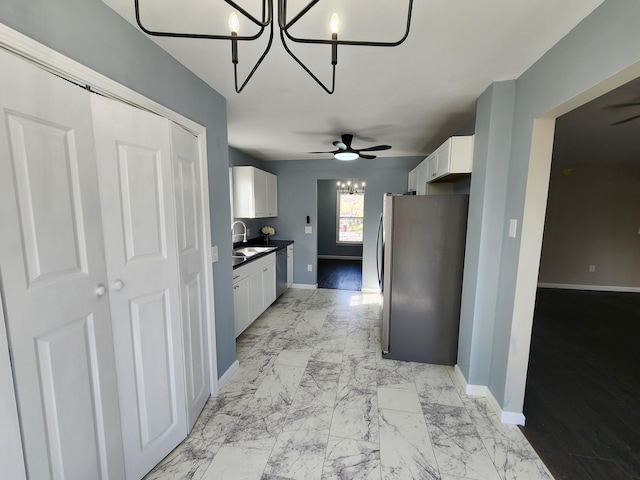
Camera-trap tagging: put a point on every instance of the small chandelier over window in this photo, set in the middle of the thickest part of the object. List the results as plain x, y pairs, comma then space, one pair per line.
350, 187
266, 21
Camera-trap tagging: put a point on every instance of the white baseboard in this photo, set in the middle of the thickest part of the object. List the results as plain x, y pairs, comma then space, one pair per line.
513, 418
307, 286
595, 288
226, 376
370, 290
339, 257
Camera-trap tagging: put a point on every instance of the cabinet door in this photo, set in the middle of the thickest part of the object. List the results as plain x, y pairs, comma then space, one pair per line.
243, 199
443, 159
256, 295
241, 305
260, 193
412, 183
136, 190
422, 178
268, 285
289, 266
272, 195
52, 258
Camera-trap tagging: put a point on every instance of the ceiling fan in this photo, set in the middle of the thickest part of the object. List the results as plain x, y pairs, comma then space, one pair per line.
346, 152
624, 105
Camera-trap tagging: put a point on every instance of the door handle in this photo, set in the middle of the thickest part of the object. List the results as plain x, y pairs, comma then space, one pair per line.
100, 290
118, 285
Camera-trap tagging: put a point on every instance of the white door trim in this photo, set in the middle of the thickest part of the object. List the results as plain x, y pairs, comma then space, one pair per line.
61, 65
533, 220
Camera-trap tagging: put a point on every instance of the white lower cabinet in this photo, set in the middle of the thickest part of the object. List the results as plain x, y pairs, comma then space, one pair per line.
254, 289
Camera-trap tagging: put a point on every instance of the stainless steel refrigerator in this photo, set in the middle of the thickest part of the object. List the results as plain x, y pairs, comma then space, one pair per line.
421, 243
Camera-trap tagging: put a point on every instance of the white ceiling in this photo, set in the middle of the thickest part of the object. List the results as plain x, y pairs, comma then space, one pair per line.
411, 97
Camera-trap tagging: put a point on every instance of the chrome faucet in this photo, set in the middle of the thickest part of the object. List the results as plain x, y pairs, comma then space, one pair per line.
244, 235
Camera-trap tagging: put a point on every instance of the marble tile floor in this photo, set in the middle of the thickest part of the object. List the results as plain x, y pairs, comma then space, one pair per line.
313, 399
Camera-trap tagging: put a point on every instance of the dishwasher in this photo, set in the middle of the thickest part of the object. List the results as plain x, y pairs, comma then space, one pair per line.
281, 271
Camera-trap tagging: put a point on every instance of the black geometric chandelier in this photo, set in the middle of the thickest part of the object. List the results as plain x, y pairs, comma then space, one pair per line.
284, 25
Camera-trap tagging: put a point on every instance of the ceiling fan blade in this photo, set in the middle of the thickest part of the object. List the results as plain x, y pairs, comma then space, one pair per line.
622, 105
377, 148
347, 138
335, 151
339, 145
625, 120
368, 157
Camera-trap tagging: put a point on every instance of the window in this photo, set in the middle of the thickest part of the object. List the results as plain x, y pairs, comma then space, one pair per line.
350, 217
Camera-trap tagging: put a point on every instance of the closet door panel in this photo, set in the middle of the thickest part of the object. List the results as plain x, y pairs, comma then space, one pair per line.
52, 267
186, 165
137, 199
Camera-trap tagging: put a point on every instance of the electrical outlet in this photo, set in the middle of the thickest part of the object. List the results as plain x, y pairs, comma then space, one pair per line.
214, 253
309, 268
308, 229
592, 268
513, 227
248, 231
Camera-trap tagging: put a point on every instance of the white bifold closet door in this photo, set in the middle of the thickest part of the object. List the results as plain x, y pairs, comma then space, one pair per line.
53, 275
103, 275
133, 152
191, 251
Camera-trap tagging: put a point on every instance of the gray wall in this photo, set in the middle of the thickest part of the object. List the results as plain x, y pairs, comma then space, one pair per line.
593, 216
297, 181
605, 43
327, 213
91, 33
484, 230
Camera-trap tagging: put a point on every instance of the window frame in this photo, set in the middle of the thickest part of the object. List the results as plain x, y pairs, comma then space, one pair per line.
346, 242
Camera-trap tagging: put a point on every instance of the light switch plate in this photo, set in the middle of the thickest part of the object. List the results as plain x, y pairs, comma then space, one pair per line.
214, 253
308, 229
513, 227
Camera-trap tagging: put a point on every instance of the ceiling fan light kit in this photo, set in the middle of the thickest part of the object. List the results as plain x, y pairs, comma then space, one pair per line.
266, 20
345, 156
346, 152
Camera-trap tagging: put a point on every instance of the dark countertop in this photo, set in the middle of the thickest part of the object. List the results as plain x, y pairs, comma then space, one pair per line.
258, 242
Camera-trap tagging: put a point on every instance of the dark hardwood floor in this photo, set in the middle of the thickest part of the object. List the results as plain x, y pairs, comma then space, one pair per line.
582, 400
340, 274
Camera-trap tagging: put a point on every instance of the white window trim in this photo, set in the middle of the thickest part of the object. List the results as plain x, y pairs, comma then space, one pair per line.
344, 242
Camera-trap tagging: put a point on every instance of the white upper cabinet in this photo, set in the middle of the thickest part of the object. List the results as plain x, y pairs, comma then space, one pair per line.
255, 193
455, 156
452, 159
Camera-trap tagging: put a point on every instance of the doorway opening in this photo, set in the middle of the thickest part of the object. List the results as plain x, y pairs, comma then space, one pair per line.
340, 233
583, 382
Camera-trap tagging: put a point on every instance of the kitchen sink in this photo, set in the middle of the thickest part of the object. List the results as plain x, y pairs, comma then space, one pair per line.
251, 251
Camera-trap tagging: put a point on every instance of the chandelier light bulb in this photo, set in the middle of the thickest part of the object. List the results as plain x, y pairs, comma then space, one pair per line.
234, 23
363, 184
334, 23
